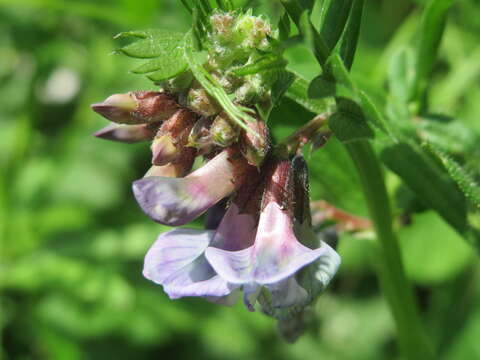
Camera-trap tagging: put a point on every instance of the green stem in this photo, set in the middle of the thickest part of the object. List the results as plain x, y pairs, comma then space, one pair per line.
412, 337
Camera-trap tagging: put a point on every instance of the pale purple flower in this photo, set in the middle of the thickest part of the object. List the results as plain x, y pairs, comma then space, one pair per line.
176, 202
273, 258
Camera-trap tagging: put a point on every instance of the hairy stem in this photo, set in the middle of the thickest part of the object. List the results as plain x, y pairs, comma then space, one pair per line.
412, 337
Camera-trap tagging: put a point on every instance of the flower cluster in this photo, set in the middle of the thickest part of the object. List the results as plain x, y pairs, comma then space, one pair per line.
259, 239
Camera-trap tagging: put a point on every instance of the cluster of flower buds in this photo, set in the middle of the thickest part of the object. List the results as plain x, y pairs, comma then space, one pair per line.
238, 40
177, 131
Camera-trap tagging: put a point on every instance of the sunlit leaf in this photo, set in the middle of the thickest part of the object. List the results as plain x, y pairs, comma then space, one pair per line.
154, 43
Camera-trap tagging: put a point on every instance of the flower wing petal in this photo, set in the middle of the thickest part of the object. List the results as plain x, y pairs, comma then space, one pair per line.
171, 201
175, 202
176, 261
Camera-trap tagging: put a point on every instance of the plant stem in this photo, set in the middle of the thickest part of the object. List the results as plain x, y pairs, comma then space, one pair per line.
412, 337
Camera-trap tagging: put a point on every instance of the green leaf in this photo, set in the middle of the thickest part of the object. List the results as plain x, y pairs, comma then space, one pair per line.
336, 68
373, 115
349, 124
338, 83
154, 43
323, 86
187, 5
165, 48
463, 179
350, 36
264, 63
296, 8
313, 39
164, 68
336, 16
222, 5
298, 92
284, 27
432, 185
284, 79
431, 32
142, 34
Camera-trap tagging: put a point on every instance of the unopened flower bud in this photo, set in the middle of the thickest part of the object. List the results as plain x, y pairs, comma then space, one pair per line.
200, 137
255, 144
128, 133
172, 138
163, 150
224, 132
223, 26
200, 102
177, 169
253, 90
254, 31
139, 107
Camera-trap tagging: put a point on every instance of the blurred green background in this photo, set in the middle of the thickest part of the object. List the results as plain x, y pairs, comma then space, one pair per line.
73, 239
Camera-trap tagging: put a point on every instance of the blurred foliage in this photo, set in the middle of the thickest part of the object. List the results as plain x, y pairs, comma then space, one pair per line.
72, 238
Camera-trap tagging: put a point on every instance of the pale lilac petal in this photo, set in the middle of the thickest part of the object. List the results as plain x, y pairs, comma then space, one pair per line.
275, 256
176, 261
175, 202
234, 266
236, 231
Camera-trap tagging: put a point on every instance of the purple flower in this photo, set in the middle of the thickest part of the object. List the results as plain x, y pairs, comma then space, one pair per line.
176, 202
